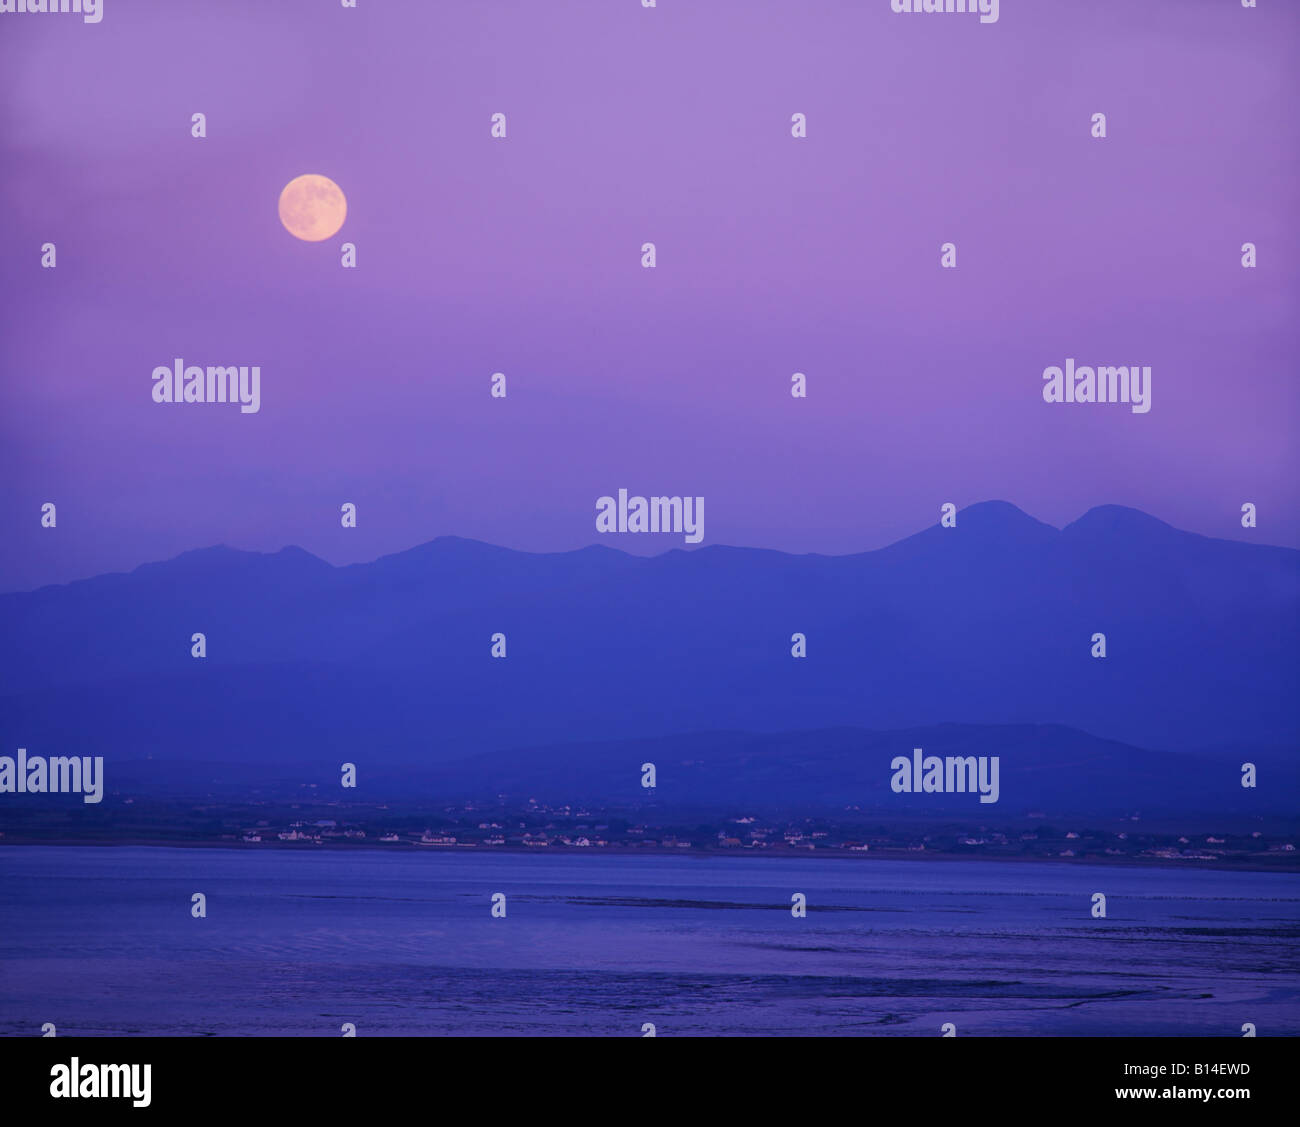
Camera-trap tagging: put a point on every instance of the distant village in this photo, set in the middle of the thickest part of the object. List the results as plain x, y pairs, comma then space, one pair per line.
505, 824
539, 826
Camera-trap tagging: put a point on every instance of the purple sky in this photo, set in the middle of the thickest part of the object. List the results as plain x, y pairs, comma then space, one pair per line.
775, 255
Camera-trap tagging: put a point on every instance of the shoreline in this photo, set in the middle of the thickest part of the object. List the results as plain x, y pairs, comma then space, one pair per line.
1287, 866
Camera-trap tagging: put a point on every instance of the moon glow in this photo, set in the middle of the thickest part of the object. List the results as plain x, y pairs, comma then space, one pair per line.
312, 207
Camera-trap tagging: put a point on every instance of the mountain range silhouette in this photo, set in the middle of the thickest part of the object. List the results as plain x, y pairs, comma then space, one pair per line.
388, 663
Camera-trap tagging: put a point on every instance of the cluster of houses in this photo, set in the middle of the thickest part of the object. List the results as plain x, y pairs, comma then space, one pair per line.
746, 833
324, 830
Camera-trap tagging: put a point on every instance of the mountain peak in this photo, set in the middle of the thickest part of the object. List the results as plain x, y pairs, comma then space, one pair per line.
1118, 519
443, 548
222, 556
1000, 516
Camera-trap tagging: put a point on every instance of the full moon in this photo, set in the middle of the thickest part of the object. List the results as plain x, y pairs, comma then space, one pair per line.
312, 207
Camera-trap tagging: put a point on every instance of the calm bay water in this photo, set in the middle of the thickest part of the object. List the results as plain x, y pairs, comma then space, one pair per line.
101, 941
